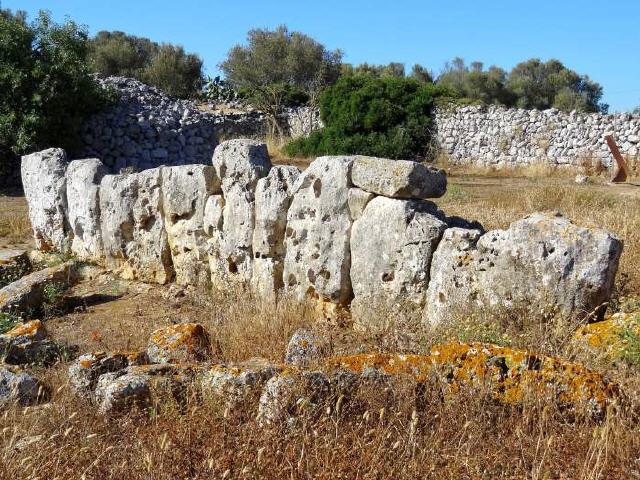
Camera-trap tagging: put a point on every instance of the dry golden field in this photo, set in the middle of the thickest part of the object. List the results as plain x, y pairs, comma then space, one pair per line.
469, 437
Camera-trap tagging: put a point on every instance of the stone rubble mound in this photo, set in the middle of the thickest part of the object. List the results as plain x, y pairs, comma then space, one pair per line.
310, 383
348, 232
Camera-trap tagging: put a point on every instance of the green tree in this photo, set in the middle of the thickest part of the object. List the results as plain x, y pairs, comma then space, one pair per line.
541, 85
277, 68
45, 86
475, 83
386, 117
165, 66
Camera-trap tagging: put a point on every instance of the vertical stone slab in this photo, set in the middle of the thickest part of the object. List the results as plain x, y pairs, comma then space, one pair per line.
45, 184
83, 185
392, 244
186, 190
133, 228
239, 164
317, 241
272, 200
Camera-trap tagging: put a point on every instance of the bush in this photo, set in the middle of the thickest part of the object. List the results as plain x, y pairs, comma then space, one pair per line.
45, 86
165, 66
384, 117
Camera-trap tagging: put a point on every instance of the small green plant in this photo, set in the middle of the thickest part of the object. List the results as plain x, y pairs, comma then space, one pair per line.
7, 322
53, 299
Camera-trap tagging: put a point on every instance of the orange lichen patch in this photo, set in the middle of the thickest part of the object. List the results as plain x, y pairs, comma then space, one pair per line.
608, 334
510, 373
190, 336
33, 329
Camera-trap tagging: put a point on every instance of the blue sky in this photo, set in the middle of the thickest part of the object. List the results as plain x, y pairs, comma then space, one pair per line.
599, 38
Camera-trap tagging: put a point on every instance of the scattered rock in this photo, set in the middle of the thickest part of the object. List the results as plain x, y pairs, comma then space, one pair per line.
541, 264
28, 292
28, 343
86, 369
83, 184
616, 336
305, 348
18, 387
44, 184
122, 392
184, 342
581, 179
398, 178
14, 264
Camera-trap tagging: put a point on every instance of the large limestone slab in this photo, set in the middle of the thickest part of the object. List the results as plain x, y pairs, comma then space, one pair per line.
239, 164
186, 190
543, 264
398, 178
83, 211
318, 258
132, 226
392, 244
44, 184
272, 200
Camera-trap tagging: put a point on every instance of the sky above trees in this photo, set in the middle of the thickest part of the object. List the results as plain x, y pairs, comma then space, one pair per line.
589, 36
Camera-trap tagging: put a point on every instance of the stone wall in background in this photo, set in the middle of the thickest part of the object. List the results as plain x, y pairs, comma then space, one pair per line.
498, 136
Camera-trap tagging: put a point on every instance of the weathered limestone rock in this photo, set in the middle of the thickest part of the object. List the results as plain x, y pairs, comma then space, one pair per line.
272, 200
28, 343
83, 184
213, 221
120, 392
239, 164
542, 263
186, 190
132, 226
358, 200
237, 385
184, 342
398, 178
304, 348
13, 265
85, 371
18, 387
44, 184
28, 292
392, 268
318, 258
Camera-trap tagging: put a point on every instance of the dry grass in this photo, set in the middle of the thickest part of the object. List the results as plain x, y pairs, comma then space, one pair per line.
14, 222
468, 437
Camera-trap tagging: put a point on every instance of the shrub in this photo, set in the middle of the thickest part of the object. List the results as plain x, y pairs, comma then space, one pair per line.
386, 117
45, 86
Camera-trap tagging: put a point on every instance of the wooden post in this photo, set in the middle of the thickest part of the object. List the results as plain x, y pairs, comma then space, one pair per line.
620, 169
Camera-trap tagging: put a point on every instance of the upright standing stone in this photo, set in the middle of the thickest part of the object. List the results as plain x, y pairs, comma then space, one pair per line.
44, 184
273, 197
83, 185
391, 268
239, 164
186, 190
317, 241
132, 226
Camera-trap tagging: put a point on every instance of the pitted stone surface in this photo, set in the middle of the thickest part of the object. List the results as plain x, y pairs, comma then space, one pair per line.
83, 185
45, 187
317, 241
18, 387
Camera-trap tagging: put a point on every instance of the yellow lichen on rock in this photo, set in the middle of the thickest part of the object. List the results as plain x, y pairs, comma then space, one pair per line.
33, 330
611, 335
184, 342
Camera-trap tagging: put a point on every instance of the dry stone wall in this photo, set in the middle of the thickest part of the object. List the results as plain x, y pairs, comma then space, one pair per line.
350, 232
498, 136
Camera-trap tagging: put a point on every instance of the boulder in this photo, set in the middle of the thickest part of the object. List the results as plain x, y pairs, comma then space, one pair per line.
317, 240
237, 386
541, 264
184, 342
391, 269
28, 343
83, 179
44, 184
19, 388
186, 190
132, 225
398, 178
272, 200
305, 348
239, 164
28, 292
85, 371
